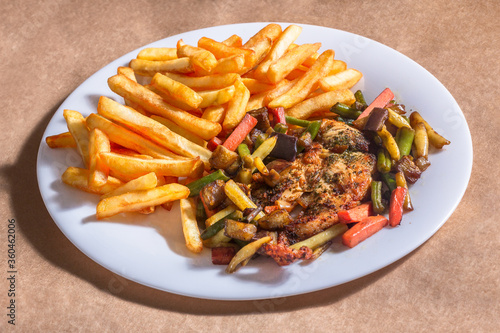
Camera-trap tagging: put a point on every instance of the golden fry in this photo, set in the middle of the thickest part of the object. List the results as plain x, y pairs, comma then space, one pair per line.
146, 182
155, 104
63, 140
256, 86
99, 171
321, 102
233, 40
283, 66
176, 91
79, 178
150, 68
236, 108
158, 53
216, 97
342, 80
78, 129
138, 200
215, 113
208, 82
181, 131
190, 226
200, 59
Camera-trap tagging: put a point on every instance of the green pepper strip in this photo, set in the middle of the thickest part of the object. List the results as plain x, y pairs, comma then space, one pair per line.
383, 161
360, 98
405, 137
376, 188
389, 181
298, 122
281, 128
313, 129
201, 215
196, 186
218, 226
345, 111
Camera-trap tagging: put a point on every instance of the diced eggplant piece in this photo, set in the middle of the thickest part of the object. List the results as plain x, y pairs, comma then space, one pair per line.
222, 158
411, 171
423, 163
251, 213
240, 230
233, 169
213, 194
278, 165
275, 220
262, 116
223, 255
285, 148
376, 119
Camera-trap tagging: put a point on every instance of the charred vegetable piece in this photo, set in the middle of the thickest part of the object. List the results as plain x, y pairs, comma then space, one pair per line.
222, 158
404, 140
214, 228
234, 167
275, 220
345, 111
246, 253
389, 180
376, 189
251, 213
389, 143
239, 230
384, 163
407, 166
196, 186
244, 176
273, 178
201, 215
312, 129
376, 119
296, 121
379, 102
322, 238
401, 182
222, 255
262, 116
285, 148
213, 194
239, 198
422, 163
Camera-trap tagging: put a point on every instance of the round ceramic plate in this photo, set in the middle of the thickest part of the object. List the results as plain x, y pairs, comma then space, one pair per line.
149, 249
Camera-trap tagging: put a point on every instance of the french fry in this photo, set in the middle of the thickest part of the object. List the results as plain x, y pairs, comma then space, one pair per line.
208, 82
138, 200
176, 91
128, 72
256, 86
129, 139
321, 102
233, 40
80, 133
262, 41
216, 97
307, 83
151, 129
158, 53
79, 178
155, 104
222, 50
281, 88
146, 182
63, 140
342, 80
215, 113
435, 139
99, 171
150, 68
181, 131
337, 67
190, 226
236, 108
256, 101
136, 167
283, 66
201, 59
130, 152
279, 47
233, 64
310, 61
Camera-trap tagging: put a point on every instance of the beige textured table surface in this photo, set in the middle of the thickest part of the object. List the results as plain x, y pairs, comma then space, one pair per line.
450, 284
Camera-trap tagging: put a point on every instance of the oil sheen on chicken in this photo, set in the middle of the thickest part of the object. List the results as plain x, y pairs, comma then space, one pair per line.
333, 175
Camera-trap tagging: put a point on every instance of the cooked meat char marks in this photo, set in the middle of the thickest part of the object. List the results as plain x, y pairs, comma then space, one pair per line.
329, 182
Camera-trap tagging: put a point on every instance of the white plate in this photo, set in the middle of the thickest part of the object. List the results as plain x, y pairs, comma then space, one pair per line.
150, 249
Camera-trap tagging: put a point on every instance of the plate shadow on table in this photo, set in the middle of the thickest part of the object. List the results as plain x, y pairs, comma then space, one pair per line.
37, 227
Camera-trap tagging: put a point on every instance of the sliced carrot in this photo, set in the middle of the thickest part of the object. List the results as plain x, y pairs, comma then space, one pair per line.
240, 132
278, 115
381, 101
396, 206
213, 143
363, 229
356, 214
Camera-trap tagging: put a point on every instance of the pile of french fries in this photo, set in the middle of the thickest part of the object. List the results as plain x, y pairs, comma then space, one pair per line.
139, 155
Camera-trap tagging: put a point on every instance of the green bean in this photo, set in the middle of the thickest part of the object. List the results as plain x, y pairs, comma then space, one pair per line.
360, 98
201, 214
243, 150
312, 129
405, 137
389, 180
295, 121
281, 128
196, 186
219, 225
345, 111
259, 140
384, 163
377, 203
344, 120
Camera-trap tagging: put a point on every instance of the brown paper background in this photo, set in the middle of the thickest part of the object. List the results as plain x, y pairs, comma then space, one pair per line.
450, 284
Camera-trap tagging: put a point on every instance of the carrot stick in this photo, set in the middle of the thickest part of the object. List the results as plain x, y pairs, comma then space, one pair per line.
396, 206
363, 229
381, 101
213, 143
356, 214
240, 132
